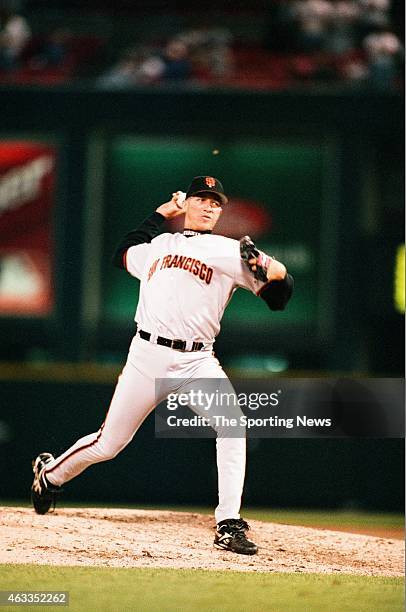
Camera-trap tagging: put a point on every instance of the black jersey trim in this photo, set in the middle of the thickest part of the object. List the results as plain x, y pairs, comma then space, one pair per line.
189, 232
145, 232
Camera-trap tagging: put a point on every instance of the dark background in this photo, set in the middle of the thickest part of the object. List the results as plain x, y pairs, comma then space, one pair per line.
364, 178
357, 330
351, 474
366, 331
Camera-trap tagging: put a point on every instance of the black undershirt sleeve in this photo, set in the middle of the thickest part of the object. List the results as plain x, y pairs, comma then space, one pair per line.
278, 293
145, 232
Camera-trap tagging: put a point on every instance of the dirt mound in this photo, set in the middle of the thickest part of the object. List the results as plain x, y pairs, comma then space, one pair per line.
144, 538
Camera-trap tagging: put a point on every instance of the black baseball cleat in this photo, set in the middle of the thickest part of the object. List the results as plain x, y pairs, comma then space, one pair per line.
43, 493
230, 535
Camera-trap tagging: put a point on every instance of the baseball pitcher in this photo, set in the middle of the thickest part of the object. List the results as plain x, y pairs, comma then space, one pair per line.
187, 280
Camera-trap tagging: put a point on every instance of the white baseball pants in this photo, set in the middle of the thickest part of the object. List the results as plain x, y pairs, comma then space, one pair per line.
133, 400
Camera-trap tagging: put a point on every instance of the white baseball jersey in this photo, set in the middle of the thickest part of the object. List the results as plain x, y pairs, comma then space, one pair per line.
186, 283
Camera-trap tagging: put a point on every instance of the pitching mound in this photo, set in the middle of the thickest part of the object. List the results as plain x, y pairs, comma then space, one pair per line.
144, 538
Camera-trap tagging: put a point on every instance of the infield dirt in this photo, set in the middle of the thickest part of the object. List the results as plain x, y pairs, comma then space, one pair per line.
147, 538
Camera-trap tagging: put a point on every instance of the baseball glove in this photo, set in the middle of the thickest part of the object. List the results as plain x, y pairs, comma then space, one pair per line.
249, 252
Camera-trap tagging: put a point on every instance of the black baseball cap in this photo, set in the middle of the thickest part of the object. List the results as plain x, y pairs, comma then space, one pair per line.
206, 184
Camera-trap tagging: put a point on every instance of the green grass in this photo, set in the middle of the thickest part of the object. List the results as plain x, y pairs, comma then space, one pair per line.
326, 518
288, 516
192, 590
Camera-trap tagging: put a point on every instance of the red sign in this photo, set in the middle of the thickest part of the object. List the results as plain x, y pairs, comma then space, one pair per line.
27, 189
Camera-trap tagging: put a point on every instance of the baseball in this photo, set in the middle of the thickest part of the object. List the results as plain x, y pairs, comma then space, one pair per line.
181, 197
215, 151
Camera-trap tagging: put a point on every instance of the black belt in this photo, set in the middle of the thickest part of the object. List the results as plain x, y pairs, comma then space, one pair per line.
178, 345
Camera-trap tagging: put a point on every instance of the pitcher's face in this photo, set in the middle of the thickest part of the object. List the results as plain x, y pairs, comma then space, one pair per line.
202, 212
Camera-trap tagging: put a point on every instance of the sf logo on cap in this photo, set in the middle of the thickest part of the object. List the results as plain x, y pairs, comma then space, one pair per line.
210, 181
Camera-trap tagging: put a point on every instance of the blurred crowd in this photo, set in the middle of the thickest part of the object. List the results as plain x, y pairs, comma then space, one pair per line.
302, 42
15, 34
350, 40
197, 55
20, 49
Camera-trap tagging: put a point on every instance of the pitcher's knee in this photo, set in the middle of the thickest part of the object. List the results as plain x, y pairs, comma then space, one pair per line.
230, 424
233, 430
109, 449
